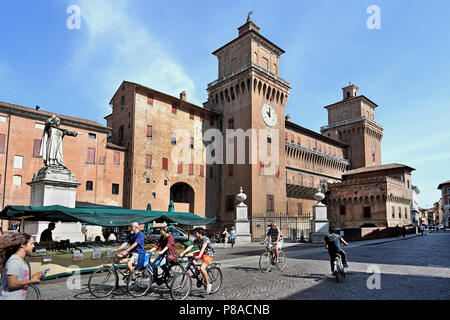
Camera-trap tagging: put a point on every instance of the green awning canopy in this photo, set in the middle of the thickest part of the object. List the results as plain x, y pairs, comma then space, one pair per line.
101, 216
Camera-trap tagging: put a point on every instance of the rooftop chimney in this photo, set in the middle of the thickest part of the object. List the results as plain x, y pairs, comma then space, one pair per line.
37, 107
288, 117
183, 96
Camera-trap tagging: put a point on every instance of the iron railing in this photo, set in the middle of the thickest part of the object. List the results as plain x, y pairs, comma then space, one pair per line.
293, 228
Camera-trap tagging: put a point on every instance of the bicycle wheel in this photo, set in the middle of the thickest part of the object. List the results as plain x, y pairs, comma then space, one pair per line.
33, 293
103, 282
181, 286
174, 270
282, 260
142, 283
265, 261
215, 279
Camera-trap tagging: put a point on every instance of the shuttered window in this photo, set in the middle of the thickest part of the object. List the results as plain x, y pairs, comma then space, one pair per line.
117, 158
180, 167
202, 171
165, 164
2, 142
149, 131
148, 161
36, 147
191, 169
91, 156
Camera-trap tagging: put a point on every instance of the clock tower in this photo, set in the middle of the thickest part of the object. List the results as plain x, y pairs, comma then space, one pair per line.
250, 94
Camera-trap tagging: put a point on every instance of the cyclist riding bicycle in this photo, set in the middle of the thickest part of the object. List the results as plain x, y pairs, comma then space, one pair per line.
167, 242
333, 244
206, 254
275, 238
136, 242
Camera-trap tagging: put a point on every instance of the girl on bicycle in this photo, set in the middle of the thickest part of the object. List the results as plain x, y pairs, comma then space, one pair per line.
15, 271
167, 244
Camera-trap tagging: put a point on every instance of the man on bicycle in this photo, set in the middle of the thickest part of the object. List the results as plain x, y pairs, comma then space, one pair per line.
275, 239
206, 254
333, 244
136, 242
167, 243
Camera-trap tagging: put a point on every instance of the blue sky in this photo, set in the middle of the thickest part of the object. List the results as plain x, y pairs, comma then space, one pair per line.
404, 67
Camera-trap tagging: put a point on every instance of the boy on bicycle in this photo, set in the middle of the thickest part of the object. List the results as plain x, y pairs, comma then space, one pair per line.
333, 244
206, 254
275, 239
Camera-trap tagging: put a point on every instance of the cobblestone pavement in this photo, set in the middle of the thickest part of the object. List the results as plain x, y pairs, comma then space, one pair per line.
415, 268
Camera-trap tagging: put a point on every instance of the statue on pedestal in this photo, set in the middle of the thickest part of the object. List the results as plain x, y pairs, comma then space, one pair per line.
51, 148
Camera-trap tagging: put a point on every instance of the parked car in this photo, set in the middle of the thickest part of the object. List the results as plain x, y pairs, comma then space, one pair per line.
178, 233
441, 226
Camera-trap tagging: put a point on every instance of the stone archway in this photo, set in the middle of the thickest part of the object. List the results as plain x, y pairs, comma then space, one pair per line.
182, 193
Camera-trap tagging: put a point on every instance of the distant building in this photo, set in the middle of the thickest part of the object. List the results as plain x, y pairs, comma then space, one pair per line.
96, 163
415, 214
445, 188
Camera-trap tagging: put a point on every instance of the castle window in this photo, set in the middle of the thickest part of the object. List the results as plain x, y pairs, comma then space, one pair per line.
230, 170
191, 144
180, 167
230, 203
348, 94
89, 186
191, 115
150, 100
148, 161
270, 203
342, 210
122, 102
231, 124
211, 172
17, 181
174, 139
300, 208
115, 188
121, 132
165, 164
174, 109
191, 169
149, 131
367, 213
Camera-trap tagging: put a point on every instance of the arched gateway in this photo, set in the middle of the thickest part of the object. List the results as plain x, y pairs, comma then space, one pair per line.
183, 194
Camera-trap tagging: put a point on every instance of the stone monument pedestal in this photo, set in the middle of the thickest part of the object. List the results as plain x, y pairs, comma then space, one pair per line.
242, 223
54, 185
320, 223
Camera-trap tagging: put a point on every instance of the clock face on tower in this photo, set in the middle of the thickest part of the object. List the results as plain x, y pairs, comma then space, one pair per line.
269, 115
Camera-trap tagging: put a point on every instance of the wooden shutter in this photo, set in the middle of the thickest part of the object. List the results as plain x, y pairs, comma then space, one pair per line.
180, 167
148, 161
117, 158
165, 164
202, 171
36, 147
211, 172
191, 169
2, 143
149, 131
91, 155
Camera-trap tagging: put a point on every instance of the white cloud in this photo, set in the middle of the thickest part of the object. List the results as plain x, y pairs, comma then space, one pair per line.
114, 47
